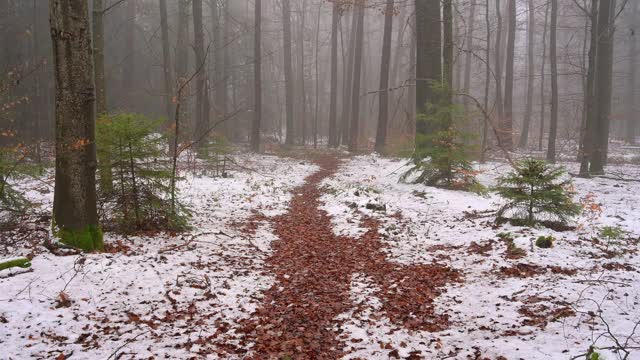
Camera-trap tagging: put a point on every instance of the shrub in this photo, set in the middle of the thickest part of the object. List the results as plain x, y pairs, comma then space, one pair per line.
535, 193
612, 232
442, 157
545, 242
134, 176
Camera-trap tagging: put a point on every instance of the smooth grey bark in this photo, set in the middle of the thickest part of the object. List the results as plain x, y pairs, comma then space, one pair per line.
631, 116
333, 95
348, 79
166, 58
301, 103
447, 54
129, 64
487, 85
288, 71
469, 56
543, 101
383, 102
498, 71
524, 135
257, 78
553, 58
75, 217
589, 95
506, 125
354, 133
202, 121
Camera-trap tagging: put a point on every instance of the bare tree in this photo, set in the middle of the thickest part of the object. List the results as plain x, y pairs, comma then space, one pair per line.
288, 71
506, 124
553, 55
383, 103
333, 107
257, 82
357, 73
531, 28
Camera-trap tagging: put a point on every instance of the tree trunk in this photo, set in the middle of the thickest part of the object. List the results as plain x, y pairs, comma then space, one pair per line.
75, 217
129, 65
166, 59
302, 96
631, 116
487, 85
447, 56
506, 127
428, 54
98, 57
348, 85
589, 95
543, 102
524, 136
469, 55
357, 73
383, 103
498, 74
553, 125
603, 87
218, 64
288, 71
333, 107
202, 123
257, 80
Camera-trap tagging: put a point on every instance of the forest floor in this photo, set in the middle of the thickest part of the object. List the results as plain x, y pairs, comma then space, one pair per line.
328, 257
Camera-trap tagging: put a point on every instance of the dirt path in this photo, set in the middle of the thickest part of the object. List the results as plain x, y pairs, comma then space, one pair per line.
313, 270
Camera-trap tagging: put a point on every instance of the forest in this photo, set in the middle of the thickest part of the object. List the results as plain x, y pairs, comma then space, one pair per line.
319, 179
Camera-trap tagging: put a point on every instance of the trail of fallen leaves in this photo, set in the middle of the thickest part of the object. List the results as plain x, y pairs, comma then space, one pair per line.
313, 269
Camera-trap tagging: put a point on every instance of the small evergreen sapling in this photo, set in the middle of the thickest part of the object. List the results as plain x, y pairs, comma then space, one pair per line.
535, 192
137, 197
442, 157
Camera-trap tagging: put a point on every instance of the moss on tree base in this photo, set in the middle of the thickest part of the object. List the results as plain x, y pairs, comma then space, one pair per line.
88, 239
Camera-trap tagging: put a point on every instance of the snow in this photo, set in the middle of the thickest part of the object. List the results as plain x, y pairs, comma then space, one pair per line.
485, 309
167, 296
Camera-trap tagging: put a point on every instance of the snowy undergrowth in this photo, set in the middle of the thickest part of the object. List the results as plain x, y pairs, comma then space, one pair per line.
550, 303
162, 296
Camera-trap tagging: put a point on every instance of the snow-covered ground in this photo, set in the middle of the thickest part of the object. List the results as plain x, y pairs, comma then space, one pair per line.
549, 304
158, 297
183, 296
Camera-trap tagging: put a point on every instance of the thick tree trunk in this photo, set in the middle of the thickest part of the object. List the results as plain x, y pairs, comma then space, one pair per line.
333, 106
354, 133
553, 125
428, 53
75, 218
603, 86
257, 80
524, 135
166, 59
383, 103
98, 56
288, 71
589, 95
506, 126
